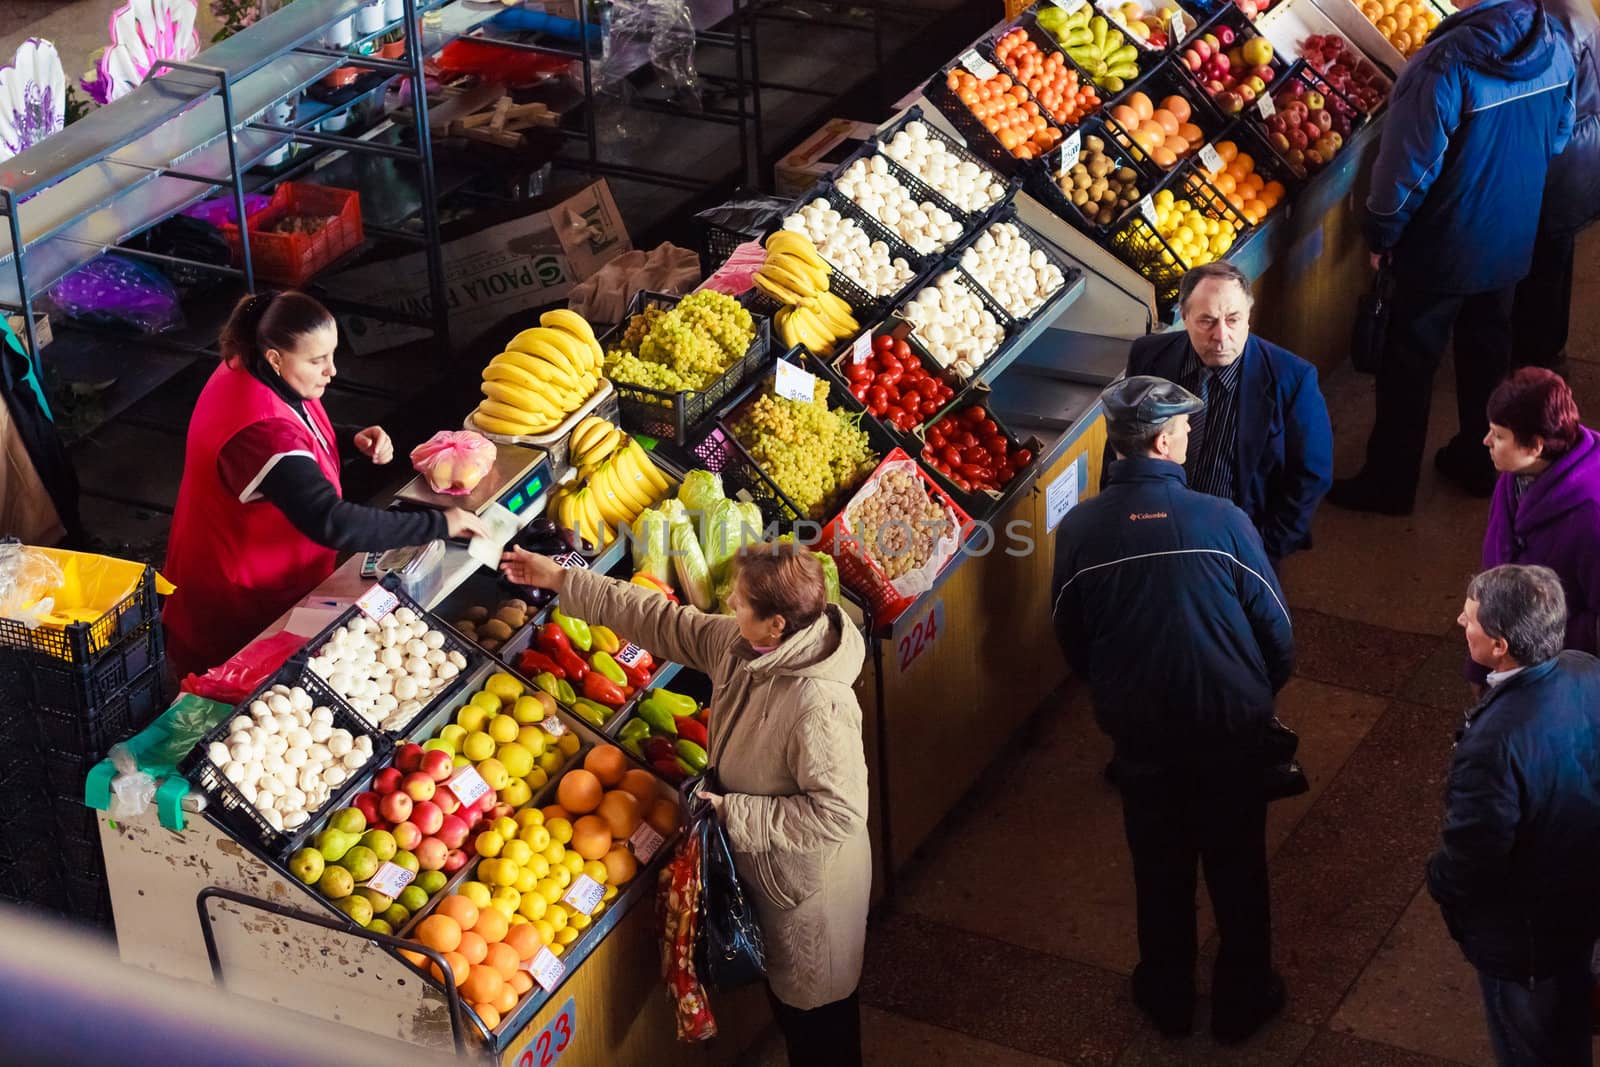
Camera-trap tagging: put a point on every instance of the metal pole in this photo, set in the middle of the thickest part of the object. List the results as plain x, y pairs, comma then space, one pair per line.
230, 131
23, 297
588, 82
437, 296
752, 167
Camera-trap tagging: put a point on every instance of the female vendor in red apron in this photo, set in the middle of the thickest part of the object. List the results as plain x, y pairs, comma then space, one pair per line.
260, 521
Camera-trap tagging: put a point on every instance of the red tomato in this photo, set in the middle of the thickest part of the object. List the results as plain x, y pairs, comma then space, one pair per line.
987, 428
951, 456
973, 414
963, 439
976, 454
879, 396
902, 349
911, 398
929, 406
860, 391
883, 343
1021, 457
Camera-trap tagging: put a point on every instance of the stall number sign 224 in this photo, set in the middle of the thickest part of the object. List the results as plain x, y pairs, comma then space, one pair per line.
920, 637
548, 1045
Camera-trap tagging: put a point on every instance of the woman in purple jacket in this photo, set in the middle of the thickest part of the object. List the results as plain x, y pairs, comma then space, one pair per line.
1546, 506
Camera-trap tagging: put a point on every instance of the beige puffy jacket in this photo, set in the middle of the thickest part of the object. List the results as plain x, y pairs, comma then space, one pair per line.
785, 739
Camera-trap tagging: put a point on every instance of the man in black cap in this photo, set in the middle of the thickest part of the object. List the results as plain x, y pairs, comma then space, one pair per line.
1166, 603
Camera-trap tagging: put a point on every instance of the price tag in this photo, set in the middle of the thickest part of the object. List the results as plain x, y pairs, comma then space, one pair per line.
1176, 28
553, 726
1209, 159
1265, 106
1147, 208
1069, 6
584, 894
376, 603
467, 786
1060, 496
548, 1044
794, 383
629, 655
862, 350
390, 879
571, 559
979, 67
1071, 149
546, 969
921, 636
645, 842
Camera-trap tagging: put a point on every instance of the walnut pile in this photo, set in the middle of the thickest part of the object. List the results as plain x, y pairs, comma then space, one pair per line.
899, 525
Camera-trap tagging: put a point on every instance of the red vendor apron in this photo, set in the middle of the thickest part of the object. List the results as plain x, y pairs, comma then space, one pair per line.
235, 559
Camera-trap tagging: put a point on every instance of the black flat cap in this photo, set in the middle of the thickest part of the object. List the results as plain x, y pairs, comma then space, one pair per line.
1145, 402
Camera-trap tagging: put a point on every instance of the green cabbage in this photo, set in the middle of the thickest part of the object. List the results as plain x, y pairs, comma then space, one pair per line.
700, 491
830, 575
729, 526
694, 577
652, 532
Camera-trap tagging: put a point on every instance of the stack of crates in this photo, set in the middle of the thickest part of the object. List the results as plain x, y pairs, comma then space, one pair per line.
67, 694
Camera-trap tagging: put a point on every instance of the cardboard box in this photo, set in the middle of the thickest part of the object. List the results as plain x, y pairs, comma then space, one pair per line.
523, 263
818, 155
41, 329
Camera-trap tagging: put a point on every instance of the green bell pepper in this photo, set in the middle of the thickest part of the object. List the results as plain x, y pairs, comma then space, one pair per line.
566, 694
675, 704
577, 630
659, 718
692, 754
608, 667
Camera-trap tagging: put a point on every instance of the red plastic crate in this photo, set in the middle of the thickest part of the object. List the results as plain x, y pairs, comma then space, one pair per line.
292, 259
861, 574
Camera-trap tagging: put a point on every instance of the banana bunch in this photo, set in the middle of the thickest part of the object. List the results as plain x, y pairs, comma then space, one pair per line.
545, 374
796, 276
617, 480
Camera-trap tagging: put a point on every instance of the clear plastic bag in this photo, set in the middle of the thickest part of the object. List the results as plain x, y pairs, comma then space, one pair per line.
131, 795
454, 461
29, 579
660, 31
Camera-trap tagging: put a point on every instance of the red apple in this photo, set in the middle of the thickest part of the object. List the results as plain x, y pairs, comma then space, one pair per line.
407, 836
1224, 35
448, 804
367, 804
419, 786
1298, 139
1313, 158
453, 831
431, 854
408, 757
1203, 48
1264, 72
454, 860
396, 807
387, 780
438, 765
1323, 119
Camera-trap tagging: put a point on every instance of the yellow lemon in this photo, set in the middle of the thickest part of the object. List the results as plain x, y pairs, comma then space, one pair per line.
609, 894
519, 919
532, 907
573, 862
477, 746
517, 851
518, 761
506, 893
556, 950
547, 933
537, 837
505, 826
596, 870
505, 874
567, 936
529, 817
557, 918
489, 843
548, 889
560, 830
580, 921
561, 875
476, 892
540, 866
554, 853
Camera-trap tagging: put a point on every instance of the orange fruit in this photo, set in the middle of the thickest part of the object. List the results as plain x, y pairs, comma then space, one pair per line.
1224, 183
621, 813
620, 866
1176, 145
591, 837
555, 811
522, 981
503, 958
488, 1013
642, 784
1227, 150
482, 985
459, 967
1255, 210
580, 790
459, 908
1141, 104
524, 941
1273, 191
1125, 116
415, 957
506, 1000
664, 817
492, 926
473, 946
439, 932
1191, 133
1166, 120
1178, 106
607, 763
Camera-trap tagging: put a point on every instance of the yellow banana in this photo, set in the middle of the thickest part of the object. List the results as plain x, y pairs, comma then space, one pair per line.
647, 466
493, 424
547, 375
532, 401
576, 351
795, 264
575, 324
793, 280
796, 244
603, 447
539, 342
613, 508
508, 413
587, 432
777, 290
590, 510
510, 372
628, 486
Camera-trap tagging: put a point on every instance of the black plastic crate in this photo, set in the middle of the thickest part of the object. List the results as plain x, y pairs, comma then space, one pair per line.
742, 476
979, 504
848, 288
89, 730
1007, 325
919, 193
88, 898
41, 681
29, 875
65, 773
1162, 82
81, 852
1145, 59
1247, 139
1242, 30
971, 129
81, 644
228, 805
1070, 271
955, 148
838, 371
675, 416
1028, 24
1138, 243
1044, 185
1304, 75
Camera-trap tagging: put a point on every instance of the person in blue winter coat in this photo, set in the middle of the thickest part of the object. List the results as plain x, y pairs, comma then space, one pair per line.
1263, 439
1474, 120
1167, 605
1517, 876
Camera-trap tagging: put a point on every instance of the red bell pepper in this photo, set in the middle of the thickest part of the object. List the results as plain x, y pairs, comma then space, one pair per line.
638, 675
659, 748
669, 769
575, 666
533, 661
553, 639
689, 729
597, 686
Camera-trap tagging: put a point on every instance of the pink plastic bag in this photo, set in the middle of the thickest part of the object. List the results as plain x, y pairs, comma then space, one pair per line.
454, 461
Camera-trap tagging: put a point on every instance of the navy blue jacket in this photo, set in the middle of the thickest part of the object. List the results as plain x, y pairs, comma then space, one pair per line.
1165, 602
1572, 191
1518, 877
1285, 457
1474, 120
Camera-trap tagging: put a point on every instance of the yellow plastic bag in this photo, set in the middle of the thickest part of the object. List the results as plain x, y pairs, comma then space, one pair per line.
92, 585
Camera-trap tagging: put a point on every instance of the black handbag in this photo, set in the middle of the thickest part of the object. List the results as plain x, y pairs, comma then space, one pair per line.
1372, 323
1282, 776
728, 950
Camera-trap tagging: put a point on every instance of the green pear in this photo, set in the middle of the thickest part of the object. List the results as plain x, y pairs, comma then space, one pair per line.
307, 865
333, 843
412, 897
380, 842
439, 745
397, 915
430, 882
379, 902
380, 926
358, 908
350, 820
361, 862
405, 859
336, 884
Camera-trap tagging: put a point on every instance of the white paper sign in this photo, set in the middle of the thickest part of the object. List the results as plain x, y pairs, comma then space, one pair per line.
1069, 6
1060, 496
553, 726
1147, 208
376, 603
391, 879
1265, 105
980, 67
645, 842
546, 969
1210, 160
794, 383
467, 786
862, 350
1176, 28
1071, 149
584, 894
629, 655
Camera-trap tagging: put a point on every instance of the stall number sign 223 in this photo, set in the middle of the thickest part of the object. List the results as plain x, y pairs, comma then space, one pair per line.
552, 1041
920, 637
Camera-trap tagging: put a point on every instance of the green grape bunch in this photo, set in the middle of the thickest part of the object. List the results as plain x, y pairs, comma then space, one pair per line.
814, 454
685, 348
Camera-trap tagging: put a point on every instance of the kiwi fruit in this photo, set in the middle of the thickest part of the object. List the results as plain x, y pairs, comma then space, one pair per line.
512, 617
495, 630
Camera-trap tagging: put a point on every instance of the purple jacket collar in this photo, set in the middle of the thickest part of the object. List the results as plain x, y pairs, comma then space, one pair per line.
1570, 483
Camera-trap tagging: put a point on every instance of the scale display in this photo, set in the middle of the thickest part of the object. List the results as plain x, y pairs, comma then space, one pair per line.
522, 496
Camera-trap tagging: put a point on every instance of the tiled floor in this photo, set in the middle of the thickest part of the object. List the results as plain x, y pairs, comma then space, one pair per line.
1012, 938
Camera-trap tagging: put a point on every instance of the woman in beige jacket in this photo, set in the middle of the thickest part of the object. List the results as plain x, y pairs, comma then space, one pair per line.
785, 740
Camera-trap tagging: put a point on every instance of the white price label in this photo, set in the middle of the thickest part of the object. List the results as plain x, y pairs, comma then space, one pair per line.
629, 655
376, 603
794, 383
978, 66
1209, 159
1071, 149
553, 726
861, 351
1069, 6
546, 969
1147, 208
1176, 28
391, 879
584, 894
1061, 496
467, 786
571, 559
645, 842
1265, 106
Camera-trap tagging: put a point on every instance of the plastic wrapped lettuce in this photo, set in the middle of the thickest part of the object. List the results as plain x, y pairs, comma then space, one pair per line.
700, 491
729, 526
652, 543
830, 569
694, 577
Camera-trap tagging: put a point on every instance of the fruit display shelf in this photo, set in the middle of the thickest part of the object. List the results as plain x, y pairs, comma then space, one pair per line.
985, 143
1231, 62
982, 504
1310, 122
899, 331
1139, 243
854, 291
675, 416
1301, 29
1036, 24
1247, 141
1148, 115
913, 122
1118, 147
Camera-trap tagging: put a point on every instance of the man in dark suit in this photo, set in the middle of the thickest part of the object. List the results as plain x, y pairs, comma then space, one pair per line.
1263, 440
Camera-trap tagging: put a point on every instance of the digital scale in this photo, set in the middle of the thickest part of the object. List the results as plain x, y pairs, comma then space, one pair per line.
510, 496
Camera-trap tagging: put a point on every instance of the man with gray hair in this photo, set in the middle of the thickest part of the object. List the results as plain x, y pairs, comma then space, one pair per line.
1518, 875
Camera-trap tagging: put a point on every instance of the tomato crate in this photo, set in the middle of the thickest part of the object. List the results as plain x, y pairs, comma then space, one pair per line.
722, 453
292, 259
1119, 147
897, 141
899, 330
847, 543
669, 416
981, 504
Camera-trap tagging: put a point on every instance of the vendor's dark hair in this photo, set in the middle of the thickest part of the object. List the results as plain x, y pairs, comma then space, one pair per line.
1535, 402
1220, 269
269, 320
783, 579
1526, 607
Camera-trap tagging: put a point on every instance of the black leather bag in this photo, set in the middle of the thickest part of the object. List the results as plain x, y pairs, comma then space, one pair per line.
1282, 776
728, 952
1372, 323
